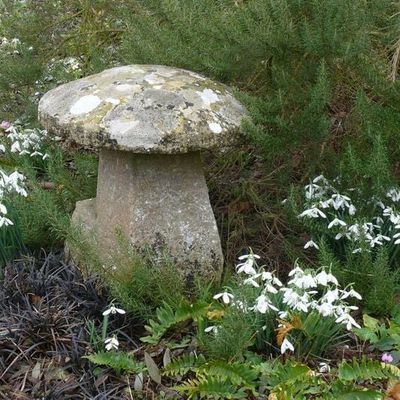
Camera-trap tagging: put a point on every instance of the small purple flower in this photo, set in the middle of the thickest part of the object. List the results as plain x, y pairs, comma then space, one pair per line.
387, 358
5, 125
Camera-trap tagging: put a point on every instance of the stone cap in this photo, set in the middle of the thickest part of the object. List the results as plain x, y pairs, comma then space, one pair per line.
143, 109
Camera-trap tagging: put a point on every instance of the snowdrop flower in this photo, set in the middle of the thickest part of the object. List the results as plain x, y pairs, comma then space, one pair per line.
270, 289
322, 179
286, 345
347, 320
323, 279
283, 314
5, 222
263, 304
213, 329
113, 310
336, 222
393, 194
296, 271
324, 367
325, 309
352, 210
325, 204
294, 300
111, 343
395, 218
311, 243
350, 293
247, 265
340, 201
331, 296
251, 281
226, 297
303, 282
3, 209
15, 42
311, 191
313, 212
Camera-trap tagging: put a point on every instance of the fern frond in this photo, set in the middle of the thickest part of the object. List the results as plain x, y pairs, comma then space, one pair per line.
367, 370
236, 373
119, 361
184, 364
167, 317
210, 388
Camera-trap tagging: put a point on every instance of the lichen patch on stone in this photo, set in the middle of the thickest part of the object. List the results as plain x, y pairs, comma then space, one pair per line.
208, 96
145, 108
216, 128
154, 79
85, 104
112, 100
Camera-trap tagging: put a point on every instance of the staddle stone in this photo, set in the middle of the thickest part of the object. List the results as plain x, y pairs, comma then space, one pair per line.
150, 124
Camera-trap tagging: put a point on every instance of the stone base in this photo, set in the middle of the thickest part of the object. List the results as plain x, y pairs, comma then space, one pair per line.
159, 202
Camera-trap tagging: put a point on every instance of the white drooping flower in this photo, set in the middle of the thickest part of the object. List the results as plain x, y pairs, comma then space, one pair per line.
313, 212
311, 243
113, 310
263, 304
247, 266
212, 328
336, 222
322, 278
324, 367
346, 319
111, 343
226, 297
286, 345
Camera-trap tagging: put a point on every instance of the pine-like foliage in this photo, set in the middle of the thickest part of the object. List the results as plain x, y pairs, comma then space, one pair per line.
315, 73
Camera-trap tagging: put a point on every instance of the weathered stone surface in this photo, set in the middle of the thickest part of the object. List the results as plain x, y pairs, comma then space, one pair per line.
149, 122
161, 201
143, 109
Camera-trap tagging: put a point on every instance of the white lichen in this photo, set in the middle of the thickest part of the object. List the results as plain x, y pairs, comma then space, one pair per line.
112, 101
215, 128
208, 96
154, 79
85, 104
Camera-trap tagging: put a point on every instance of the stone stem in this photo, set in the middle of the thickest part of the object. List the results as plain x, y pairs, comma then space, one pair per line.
161, 201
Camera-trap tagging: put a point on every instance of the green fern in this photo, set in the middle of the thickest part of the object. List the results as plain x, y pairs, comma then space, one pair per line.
167, 317
119, 361
236, 373
210, 388
184, 364
367, 370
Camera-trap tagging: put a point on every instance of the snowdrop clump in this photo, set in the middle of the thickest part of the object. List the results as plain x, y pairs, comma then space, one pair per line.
337, 213
24, 141
10, 46
307, 291
13, 183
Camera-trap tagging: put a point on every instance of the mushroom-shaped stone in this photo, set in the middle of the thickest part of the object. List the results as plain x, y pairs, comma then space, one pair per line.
149, 123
